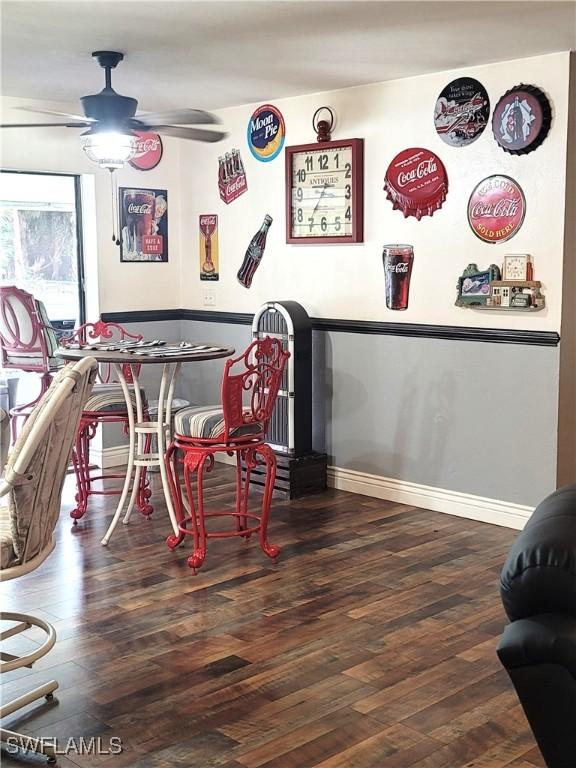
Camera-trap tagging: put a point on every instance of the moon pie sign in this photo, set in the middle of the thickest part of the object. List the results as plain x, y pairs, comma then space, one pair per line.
148, 151
416, 182
496, 209
266, 132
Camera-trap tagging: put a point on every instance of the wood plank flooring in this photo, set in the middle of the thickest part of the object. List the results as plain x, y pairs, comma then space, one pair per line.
371, 644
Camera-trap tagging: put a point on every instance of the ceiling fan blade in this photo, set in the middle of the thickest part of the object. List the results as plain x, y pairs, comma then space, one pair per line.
45, 125
195, 134
60, 114
178, 117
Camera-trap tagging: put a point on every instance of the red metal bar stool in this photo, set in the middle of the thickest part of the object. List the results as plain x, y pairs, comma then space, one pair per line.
106, 405
27, 342
250, 387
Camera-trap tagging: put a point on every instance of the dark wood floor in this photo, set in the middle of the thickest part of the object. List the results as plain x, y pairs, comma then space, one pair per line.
370, 645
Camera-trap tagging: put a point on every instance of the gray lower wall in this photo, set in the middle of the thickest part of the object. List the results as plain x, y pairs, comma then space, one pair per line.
477, 418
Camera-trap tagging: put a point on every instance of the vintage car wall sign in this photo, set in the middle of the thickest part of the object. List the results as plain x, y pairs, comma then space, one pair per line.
496, 209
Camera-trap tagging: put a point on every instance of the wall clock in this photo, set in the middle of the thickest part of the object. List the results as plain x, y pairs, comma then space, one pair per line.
324, 190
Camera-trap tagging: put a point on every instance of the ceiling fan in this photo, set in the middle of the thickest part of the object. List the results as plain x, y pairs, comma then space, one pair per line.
111, 121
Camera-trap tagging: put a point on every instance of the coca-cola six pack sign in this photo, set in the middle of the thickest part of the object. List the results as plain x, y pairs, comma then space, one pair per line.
416, 182
148, 151
496, 209
231, 176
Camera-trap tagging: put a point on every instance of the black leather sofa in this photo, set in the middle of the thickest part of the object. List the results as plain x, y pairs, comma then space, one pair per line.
538, 647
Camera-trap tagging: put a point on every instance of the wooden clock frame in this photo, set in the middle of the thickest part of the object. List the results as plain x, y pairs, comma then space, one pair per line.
357, 236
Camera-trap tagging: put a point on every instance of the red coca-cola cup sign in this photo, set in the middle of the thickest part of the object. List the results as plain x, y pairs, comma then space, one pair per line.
138, 205
496, 209
398, 261
148, 151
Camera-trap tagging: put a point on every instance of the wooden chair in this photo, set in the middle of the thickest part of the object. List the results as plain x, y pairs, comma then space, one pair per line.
27, 342
32, 486
237, 428
105, 406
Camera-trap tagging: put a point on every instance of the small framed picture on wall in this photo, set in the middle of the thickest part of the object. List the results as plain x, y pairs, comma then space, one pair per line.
143, 224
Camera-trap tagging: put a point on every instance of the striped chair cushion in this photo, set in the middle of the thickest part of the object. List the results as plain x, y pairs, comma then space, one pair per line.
207, 422
109, 397
23, 360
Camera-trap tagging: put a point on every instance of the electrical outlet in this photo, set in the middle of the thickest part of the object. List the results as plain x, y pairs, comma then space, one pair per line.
208, 297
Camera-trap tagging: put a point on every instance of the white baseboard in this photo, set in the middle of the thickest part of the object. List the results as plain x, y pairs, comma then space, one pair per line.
428, 497
114, 456
399, 491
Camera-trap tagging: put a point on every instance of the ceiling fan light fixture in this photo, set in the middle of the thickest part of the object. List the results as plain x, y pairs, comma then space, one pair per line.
110, 149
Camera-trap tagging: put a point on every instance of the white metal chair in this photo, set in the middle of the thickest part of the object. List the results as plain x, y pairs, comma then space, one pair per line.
32, 486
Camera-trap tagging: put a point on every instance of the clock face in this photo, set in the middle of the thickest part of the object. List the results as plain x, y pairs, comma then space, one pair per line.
515, 267
322, 199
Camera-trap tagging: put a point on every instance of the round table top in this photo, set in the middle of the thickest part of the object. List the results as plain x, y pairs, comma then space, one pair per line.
185, 356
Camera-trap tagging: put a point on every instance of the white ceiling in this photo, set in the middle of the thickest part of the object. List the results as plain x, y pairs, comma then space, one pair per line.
217, 54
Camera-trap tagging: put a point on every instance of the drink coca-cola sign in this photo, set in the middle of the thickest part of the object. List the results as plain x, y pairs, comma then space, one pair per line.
416, 182
496, 209
148, 151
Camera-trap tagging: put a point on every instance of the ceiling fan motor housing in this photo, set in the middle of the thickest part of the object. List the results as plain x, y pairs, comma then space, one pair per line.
108, 106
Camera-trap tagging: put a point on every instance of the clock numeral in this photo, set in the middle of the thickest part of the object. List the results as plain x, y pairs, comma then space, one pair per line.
323, 162
337, 225
323, 224
348, 214
348, 168
311, 222
300, 216
301, 175
309, 161
348, 192
336, 160
299, 194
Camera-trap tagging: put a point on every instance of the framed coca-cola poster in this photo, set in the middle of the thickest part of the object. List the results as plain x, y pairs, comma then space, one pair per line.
143, 224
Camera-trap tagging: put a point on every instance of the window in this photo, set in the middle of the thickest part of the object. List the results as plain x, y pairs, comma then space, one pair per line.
40, 241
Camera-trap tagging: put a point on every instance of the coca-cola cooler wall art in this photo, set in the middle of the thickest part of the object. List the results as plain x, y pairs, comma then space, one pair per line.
265, 133
416, 182
254, 254
209, 261
231, 176
143, 224
496, 209
398, 262
462, 111
522, 119
148, 151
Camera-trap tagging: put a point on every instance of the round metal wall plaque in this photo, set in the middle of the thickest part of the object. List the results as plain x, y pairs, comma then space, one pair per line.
496, 209
416, 182
522, 119
462, 111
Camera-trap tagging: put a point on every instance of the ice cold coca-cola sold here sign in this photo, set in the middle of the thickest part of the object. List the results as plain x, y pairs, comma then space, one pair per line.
496, 209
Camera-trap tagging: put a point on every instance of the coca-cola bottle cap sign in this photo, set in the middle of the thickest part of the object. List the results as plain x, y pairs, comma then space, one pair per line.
496, 209
416, 182
522, 119
148, 151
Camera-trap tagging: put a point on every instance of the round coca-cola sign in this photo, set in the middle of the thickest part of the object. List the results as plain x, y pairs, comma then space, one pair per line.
496, 209
522, 119
148, 151
416, 182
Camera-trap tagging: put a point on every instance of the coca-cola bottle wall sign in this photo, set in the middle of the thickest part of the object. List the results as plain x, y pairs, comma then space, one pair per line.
231, 176
496, 209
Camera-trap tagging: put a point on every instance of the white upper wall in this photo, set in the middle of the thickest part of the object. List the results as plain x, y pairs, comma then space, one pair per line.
347, 281
129, 286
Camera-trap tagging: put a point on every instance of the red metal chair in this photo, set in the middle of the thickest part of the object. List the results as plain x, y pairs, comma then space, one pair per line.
249, 390
106, 405
27, 342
